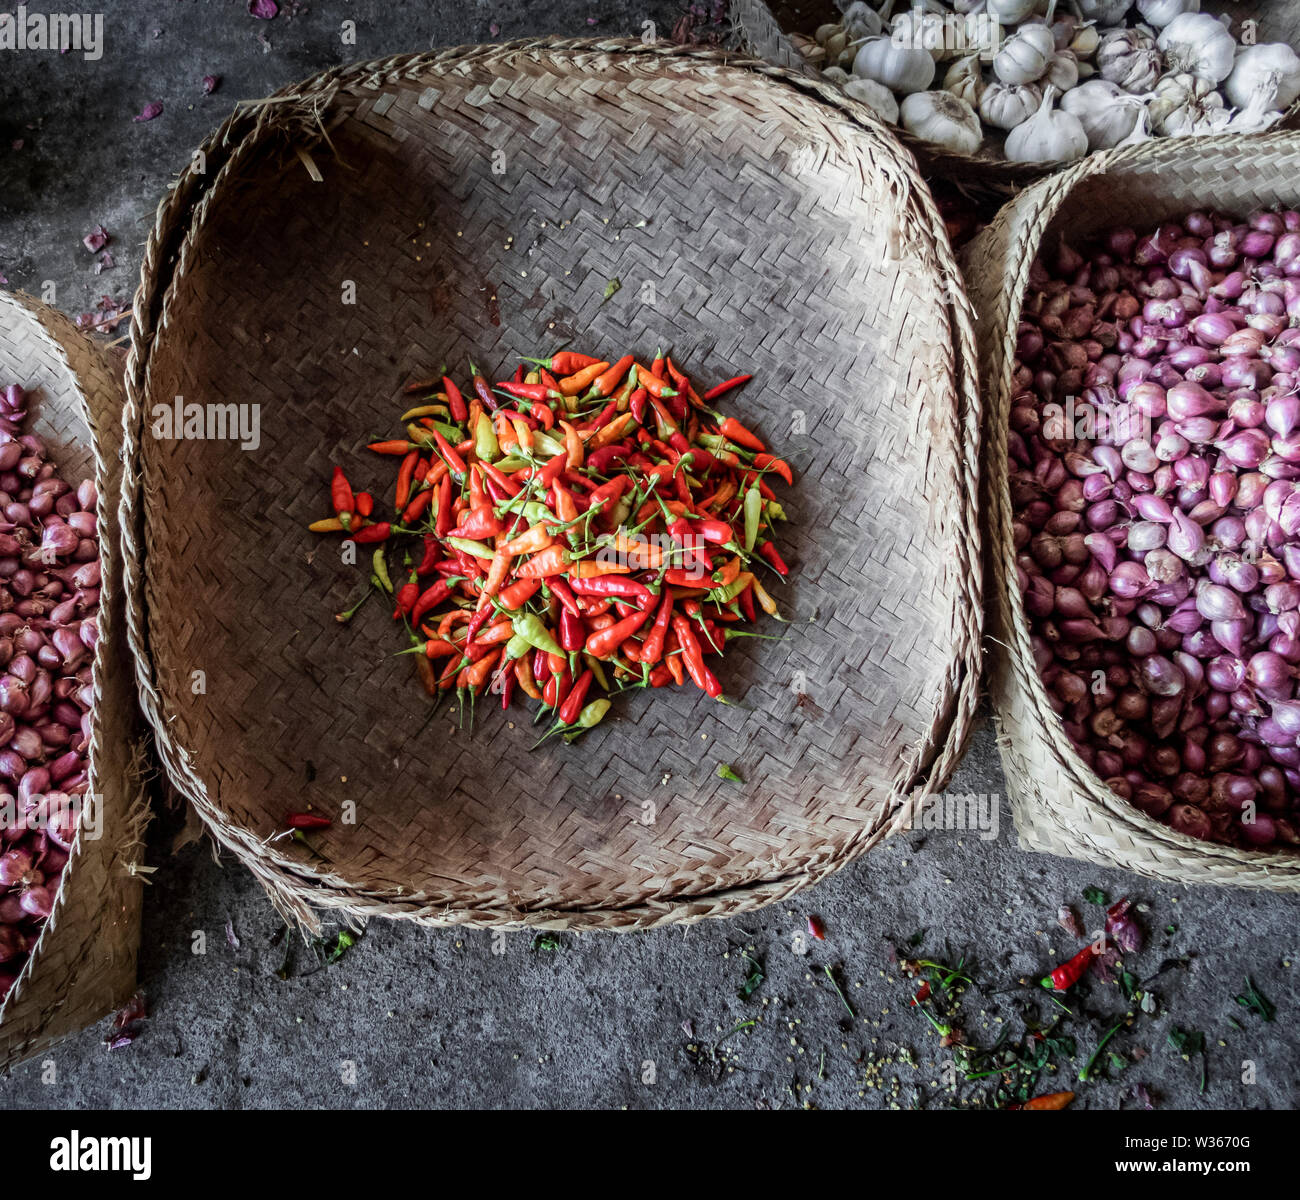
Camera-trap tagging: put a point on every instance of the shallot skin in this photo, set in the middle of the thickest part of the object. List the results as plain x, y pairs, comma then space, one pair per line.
1154, 473
49, 602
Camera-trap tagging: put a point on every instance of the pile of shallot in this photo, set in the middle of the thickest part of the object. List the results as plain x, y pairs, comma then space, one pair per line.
1154, 451
49, 600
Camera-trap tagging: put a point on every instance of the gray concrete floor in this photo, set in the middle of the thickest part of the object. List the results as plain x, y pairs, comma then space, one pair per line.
416, 1018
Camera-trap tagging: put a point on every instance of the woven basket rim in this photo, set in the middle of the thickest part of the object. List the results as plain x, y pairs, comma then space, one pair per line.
181, 214
1044, 200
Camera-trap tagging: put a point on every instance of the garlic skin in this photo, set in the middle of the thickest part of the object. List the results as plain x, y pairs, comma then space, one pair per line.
876, 96
1184, 104
1025, 54
1130, 58
1270, 70
899, 68
1198, 44
1048, 136
943, 119
1006, 105
1107, 113
965, 80
1062, 71
860, 20
1158, 13
836, 75
1085, 42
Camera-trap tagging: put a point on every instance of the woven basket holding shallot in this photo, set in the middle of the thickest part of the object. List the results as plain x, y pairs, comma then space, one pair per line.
1137, 322
496, 343
70, 770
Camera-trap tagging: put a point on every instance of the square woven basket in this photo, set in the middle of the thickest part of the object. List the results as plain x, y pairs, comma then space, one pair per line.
478, 201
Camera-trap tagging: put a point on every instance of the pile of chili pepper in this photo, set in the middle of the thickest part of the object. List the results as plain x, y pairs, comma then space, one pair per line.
583, 525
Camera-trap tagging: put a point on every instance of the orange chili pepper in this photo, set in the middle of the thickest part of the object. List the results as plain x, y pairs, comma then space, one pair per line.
573, 444
588, 569
607, 381
404, 474
529, 542
524, 677
551, 561
611, 433
519, 593
1051, 1102
401, 446
578, 382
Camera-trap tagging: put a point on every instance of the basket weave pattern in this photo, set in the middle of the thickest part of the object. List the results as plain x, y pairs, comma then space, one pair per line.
83, 964
780, 235
1060, 804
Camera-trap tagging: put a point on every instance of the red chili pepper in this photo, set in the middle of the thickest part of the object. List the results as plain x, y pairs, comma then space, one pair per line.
1068, 973
307, 821
613, 585
565, 595
446, 520
766, 462
429, 599
922, 993
637, 404
507, 689
503, 481
817, 927
770, 552
481, 523
372, 533
721, 389
539, 393
700, 675
572, 705
483, 389
572, 634
606, 641
405, 598
341, 498
455, 401
653, 648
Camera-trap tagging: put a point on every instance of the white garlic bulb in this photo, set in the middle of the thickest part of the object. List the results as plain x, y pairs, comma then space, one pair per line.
1129, 58
1270, 71
860, 20
1062, 71
1025, 54
1105, 110
965, 80
1006, 105
941, 118
1158, 13
1198, 44
1048, 136
1010, 12
899, 68
876, 96
1186, 104
1104, 12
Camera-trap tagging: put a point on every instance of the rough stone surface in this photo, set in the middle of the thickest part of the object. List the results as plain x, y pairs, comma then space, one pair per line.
412, 1017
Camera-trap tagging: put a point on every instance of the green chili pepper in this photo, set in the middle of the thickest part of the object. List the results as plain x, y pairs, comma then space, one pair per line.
517, 647
620, 513
532, 629
753, 511
724, 596
380, 566
597, 670
547, 445
774, 510
535, 512
592, 715
511, 463
725, 772
485, 439
469, 546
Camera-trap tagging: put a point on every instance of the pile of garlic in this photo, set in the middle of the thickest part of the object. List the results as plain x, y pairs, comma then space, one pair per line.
1021, 80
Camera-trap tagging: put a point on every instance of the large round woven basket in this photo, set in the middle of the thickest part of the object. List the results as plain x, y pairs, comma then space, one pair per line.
83, 964
984, 174
479, 201
1060, 804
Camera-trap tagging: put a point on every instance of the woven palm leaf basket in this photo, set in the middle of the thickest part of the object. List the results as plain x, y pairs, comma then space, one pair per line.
478, 202
84, 962
765, 31
1060, 805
